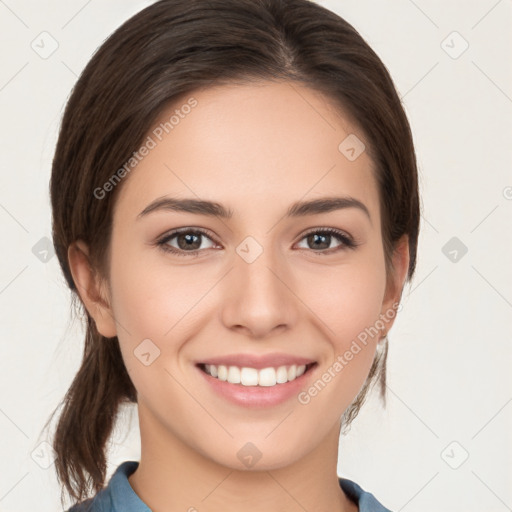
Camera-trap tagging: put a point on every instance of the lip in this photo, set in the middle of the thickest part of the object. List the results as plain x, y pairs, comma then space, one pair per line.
258, 362
258, 396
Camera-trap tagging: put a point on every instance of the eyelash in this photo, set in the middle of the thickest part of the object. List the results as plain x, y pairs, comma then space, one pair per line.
346, 241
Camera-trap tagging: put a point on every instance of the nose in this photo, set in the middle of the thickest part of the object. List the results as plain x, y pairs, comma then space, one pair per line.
258, 297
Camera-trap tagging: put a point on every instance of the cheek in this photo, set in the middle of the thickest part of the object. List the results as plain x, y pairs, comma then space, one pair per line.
149, 299
138, 308
347, 302
348, 308
347, 299
158, 303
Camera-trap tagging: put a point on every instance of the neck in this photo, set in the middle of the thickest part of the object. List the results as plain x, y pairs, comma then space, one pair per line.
173, 476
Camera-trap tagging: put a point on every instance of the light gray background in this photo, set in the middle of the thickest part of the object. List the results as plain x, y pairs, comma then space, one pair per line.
450, 392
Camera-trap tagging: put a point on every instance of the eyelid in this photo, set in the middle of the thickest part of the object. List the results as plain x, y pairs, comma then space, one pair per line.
334, 231
187, 229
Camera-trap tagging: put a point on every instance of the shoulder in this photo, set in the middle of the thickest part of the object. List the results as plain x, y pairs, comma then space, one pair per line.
117, 496
84, 506
99, 503
366, 501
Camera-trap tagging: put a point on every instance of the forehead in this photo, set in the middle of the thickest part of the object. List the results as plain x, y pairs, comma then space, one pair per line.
251, 145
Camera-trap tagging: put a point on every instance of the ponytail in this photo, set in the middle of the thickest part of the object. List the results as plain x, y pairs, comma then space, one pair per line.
90, 409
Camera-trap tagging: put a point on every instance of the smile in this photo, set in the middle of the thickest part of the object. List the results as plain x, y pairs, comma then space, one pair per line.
246, 376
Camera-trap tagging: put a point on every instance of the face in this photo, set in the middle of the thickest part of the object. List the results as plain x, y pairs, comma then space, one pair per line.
295, 287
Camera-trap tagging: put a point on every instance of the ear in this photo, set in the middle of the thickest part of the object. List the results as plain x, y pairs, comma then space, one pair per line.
396, 281
92, 290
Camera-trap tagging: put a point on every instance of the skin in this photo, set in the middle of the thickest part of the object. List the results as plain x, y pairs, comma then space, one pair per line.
256, 149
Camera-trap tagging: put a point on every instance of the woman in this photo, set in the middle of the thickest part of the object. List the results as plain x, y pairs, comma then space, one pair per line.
235, 205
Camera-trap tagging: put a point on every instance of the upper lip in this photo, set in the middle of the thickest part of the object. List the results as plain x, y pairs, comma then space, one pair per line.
257, 361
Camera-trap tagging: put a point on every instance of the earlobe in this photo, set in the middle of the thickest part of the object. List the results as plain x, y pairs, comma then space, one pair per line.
90, 289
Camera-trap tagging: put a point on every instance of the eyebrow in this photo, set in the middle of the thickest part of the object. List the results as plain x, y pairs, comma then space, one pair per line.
214, 209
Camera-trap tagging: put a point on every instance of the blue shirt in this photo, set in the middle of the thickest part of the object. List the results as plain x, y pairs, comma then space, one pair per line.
119, 496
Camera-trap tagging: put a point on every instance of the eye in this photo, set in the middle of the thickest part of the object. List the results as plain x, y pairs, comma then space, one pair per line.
187, 239
320, 238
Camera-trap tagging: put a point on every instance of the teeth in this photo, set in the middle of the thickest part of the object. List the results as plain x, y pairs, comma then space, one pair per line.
252, 377
248, 376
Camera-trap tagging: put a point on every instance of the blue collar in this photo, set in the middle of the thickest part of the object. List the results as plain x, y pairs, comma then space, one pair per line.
119, 495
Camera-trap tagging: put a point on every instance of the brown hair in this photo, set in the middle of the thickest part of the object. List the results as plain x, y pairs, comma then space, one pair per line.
169, 49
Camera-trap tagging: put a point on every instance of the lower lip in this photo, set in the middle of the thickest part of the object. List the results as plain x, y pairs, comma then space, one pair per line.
258, 396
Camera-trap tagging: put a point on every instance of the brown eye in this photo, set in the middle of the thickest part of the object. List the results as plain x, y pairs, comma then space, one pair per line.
320, 240
188, 241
